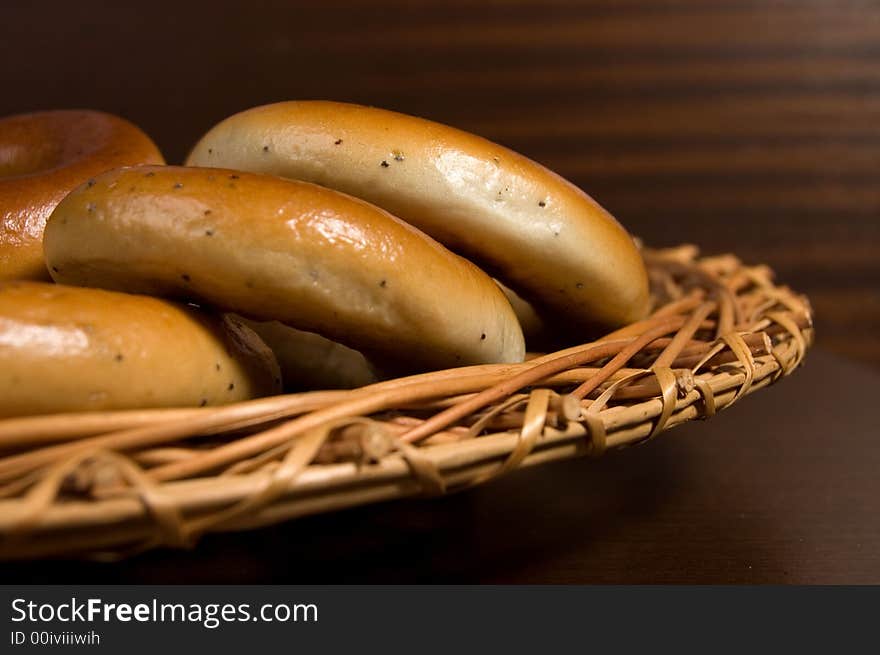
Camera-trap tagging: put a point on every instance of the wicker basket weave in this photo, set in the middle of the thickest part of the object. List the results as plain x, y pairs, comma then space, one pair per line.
111, 484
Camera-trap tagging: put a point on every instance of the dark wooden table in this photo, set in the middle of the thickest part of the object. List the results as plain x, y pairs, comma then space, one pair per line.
782, 488
750, 126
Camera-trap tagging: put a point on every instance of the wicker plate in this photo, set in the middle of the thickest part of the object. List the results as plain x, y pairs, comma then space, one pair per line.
114, 483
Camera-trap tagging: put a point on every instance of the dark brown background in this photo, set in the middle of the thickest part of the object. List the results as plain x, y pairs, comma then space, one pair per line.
746, 126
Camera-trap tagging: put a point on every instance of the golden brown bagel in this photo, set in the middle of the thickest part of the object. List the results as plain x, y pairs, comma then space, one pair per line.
532, 324
42, 157
274, 249
310, 361
71, 349
536, 232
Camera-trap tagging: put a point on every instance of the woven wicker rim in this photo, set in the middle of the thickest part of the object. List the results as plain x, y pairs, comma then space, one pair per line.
110, 484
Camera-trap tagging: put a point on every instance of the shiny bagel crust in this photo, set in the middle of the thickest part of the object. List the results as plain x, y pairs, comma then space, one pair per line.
274, 249
42, 157
65, 349
533, 230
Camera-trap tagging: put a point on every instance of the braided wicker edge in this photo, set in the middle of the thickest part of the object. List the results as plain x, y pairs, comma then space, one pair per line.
111, 484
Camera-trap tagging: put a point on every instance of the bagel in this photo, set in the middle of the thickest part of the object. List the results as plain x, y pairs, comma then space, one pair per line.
72, 349
310, 361
275, 249
42, 157
533, 326
530, 228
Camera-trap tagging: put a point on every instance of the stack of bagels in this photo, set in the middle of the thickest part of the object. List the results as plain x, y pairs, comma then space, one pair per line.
303, 245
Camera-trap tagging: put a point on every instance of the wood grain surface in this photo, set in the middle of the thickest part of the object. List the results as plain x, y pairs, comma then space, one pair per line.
740, 125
